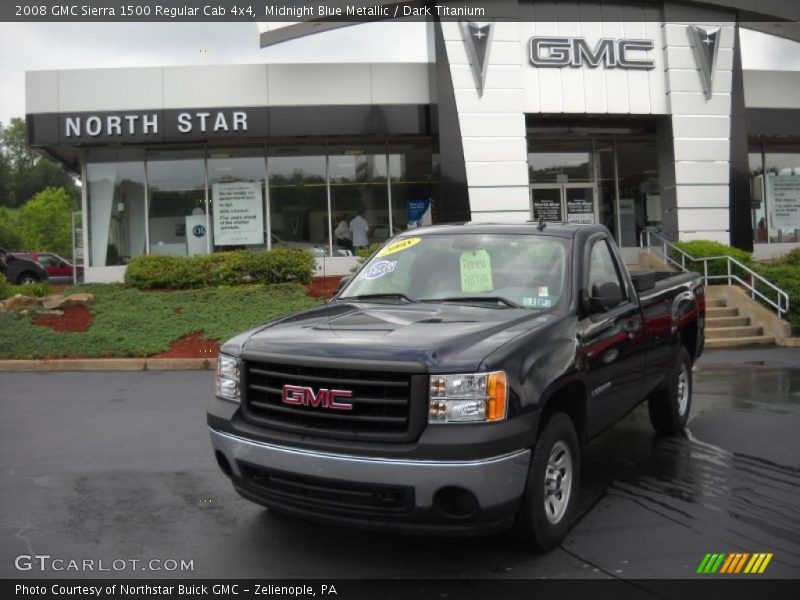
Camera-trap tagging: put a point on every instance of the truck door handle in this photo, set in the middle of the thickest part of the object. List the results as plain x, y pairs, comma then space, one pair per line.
632, 325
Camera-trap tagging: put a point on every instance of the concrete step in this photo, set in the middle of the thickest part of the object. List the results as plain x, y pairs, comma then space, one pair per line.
727, 322
715, 313
733, 332
716, 302
741, 342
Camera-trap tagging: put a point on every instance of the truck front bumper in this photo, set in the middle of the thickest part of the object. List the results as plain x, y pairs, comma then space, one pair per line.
447, 497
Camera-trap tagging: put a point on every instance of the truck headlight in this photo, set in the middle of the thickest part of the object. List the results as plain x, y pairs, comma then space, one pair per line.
468, 398
228, 377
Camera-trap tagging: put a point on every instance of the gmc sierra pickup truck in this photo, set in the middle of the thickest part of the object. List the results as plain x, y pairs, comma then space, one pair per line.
449, 385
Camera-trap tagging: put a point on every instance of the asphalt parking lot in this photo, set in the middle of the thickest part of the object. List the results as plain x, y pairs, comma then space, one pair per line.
119, 466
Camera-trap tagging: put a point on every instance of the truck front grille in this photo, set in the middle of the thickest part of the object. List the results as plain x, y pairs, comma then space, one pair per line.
328, 495
381, 401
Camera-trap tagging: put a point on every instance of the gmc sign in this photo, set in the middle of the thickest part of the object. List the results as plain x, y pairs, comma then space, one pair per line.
575, 52
304, 396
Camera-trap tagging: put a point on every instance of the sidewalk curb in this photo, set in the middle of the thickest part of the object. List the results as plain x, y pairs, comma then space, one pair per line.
107, 364
792, 342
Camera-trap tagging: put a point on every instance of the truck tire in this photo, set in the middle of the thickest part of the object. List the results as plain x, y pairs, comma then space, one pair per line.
669, 405
27, 278
551, 492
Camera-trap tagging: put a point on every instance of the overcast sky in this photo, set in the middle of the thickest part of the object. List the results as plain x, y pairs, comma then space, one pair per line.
38, 46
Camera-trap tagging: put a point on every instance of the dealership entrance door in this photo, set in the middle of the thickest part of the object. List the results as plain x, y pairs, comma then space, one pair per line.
595, 170
570, 202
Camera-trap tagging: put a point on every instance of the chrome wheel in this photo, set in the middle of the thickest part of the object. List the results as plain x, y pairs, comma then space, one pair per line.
557, 482
683, 390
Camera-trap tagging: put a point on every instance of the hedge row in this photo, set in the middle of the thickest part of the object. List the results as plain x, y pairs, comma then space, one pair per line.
706, 248
279, 265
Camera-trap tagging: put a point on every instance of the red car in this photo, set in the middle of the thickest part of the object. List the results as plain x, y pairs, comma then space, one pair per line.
59, 270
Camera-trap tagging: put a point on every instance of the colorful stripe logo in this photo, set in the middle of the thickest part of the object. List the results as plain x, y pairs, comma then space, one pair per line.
741, 562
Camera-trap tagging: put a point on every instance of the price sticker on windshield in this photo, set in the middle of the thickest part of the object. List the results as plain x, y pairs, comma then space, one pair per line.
399, 246
476, 271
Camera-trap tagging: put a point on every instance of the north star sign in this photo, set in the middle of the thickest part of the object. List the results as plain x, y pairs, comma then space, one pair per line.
133, 124
576, 52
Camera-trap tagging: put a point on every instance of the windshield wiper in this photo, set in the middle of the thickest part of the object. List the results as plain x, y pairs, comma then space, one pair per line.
389, 295
492, 299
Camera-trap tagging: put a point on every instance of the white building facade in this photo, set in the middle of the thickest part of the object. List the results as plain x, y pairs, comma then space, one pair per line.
631, 115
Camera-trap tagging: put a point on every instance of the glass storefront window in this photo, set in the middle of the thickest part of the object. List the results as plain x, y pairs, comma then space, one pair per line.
237, 200
756, 164
605, 170
410, 170
177, 201
560, 161
188, 202
116, 208
782, 192
298, 198
359, 193
639, 189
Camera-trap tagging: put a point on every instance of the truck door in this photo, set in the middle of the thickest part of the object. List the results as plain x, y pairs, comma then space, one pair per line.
612, 342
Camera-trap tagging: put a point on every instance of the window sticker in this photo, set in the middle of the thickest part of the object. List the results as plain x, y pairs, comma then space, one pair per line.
476, 271
537, 302
379, 269
399, 246
542, 291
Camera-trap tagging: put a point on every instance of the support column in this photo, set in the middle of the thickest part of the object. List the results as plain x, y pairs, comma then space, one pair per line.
492, 125
698, 179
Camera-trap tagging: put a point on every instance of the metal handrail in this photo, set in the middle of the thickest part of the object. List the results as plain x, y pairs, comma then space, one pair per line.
782, 304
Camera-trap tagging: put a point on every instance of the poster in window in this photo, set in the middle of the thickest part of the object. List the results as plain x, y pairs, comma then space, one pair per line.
784, 201
580, 209
546, 209
238, 213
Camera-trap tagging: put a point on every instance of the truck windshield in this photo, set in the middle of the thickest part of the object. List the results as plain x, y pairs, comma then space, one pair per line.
526, 271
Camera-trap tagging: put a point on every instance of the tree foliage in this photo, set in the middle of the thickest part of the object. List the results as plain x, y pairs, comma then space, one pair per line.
45, 221
24, 173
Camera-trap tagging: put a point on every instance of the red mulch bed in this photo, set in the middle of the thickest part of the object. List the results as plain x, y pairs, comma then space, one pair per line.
76, 319
323, 287
193, 345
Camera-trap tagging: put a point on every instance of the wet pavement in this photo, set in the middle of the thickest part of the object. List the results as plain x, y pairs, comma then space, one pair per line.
119, 466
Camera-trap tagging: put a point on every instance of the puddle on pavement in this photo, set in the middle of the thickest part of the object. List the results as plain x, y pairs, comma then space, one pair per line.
747, 501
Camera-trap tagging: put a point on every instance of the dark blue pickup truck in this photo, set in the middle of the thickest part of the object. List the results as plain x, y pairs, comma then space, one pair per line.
450, 384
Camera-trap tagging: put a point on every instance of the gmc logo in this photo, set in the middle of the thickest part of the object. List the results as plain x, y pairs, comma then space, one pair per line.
324, 398
575, 52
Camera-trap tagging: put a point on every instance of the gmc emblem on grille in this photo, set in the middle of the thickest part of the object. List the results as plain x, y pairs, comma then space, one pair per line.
324, 398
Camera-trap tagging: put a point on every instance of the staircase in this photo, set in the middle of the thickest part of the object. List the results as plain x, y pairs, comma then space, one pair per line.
726, 327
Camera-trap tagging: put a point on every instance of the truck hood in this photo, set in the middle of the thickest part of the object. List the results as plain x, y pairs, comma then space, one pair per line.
445, 337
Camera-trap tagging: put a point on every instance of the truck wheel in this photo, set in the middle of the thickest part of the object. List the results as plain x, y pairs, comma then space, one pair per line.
669, 405
551, 491
27, 278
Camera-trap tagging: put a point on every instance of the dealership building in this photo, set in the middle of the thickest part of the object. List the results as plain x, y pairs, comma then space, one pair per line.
637, 115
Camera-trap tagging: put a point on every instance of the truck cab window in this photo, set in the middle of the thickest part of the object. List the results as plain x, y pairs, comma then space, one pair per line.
602, 269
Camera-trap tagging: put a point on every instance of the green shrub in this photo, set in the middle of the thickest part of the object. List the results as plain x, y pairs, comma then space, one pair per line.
38, 290
364, 253
786, 277
789, 259
707, 248
279, 265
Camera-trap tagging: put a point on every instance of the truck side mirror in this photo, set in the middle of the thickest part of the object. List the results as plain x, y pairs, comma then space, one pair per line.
343, 282
605, 296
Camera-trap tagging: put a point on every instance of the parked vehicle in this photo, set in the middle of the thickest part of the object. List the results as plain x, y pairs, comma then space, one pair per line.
450, 384
59, 269
20, 271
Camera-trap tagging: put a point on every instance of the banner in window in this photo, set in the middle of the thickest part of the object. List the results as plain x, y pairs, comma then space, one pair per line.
784, 201
238, 211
